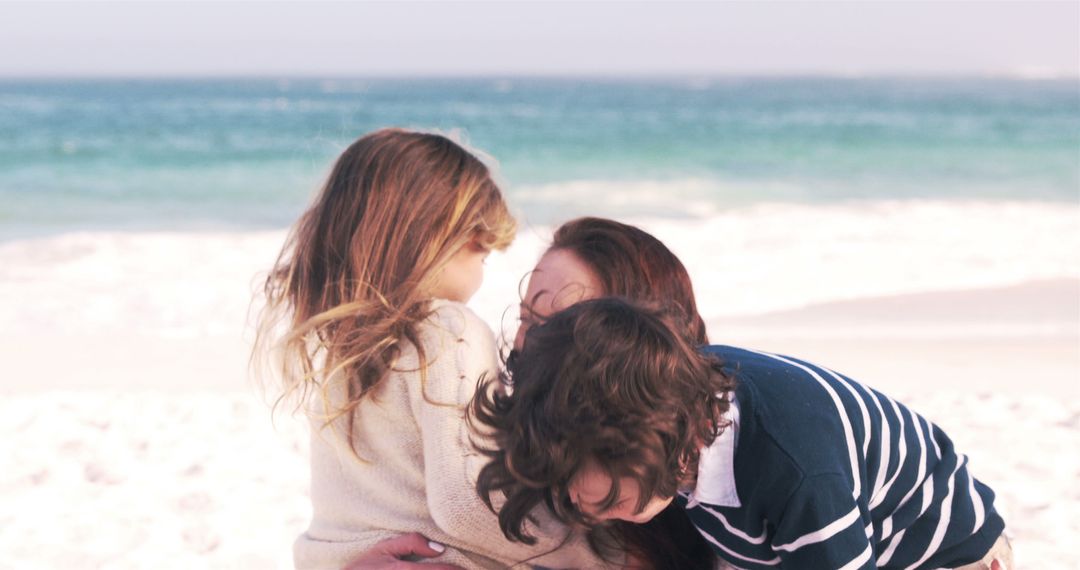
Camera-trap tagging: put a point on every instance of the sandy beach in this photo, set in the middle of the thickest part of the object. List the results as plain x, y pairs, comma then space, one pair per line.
156, 450
137, 480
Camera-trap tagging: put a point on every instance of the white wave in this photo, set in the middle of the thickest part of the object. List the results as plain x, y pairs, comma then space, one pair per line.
685, 197
743, 262
168, 284
775, 257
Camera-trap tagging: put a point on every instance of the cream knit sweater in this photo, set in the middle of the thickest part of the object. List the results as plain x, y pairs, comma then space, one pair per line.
419, 469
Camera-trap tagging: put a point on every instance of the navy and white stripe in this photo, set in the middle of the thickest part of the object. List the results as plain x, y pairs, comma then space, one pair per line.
830, 474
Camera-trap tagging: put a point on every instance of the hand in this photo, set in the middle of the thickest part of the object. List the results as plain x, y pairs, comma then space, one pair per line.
388, 554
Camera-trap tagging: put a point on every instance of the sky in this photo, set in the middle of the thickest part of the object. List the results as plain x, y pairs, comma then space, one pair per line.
157, 38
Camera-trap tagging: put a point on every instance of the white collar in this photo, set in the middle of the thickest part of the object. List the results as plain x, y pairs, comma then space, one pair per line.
716, 466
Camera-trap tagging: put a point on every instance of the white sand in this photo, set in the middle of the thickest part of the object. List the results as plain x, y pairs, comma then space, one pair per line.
105, 479
149, 480
1021, 339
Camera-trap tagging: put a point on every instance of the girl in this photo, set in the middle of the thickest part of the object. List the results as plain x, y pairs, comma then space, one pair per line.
377, 344
615, 415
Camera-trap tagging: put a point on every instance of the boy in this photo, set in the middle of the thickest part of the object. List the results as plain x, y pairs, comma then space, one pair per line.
779, 463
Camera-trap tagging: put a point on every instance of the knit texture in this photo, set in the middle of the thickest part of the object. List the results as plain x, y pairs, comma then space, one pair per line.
417, 468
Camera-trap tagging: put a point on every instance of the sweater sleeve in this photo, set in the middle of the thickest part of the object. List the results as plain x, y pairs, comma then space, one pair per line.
311, 553
460, 351
823, 526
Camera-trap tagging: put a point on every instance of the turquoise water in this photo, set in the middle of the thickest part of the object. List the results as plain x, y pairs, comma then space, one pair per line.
248, 154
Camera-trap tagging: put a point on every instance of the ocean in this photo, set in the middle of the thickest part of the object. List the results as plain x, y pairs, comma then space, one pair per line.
777, 192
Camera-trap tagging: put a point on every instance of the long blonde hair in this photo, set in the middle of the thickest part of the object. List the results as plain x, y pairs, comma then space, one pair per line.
352, 282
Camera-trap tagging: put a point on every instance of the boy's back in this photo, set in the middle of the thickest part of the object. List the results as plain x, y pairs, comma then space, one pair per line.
832, 474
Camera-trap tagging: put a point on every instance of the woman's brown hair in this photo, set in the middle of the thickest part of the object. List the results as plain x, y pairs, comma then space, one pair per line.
353, 281
631, 263
603, 382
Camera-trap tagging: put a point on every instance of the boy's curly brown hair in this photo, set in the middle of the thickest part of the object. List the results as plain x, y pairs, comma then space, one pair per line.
603, 381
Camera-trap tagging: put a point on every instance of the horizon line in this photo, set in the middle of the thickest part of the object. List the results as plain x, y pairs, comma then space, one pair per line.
675, 75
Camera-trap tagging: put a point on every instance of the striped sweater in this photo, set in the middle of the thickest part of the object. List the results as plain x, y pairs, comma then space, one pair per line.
829, 474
